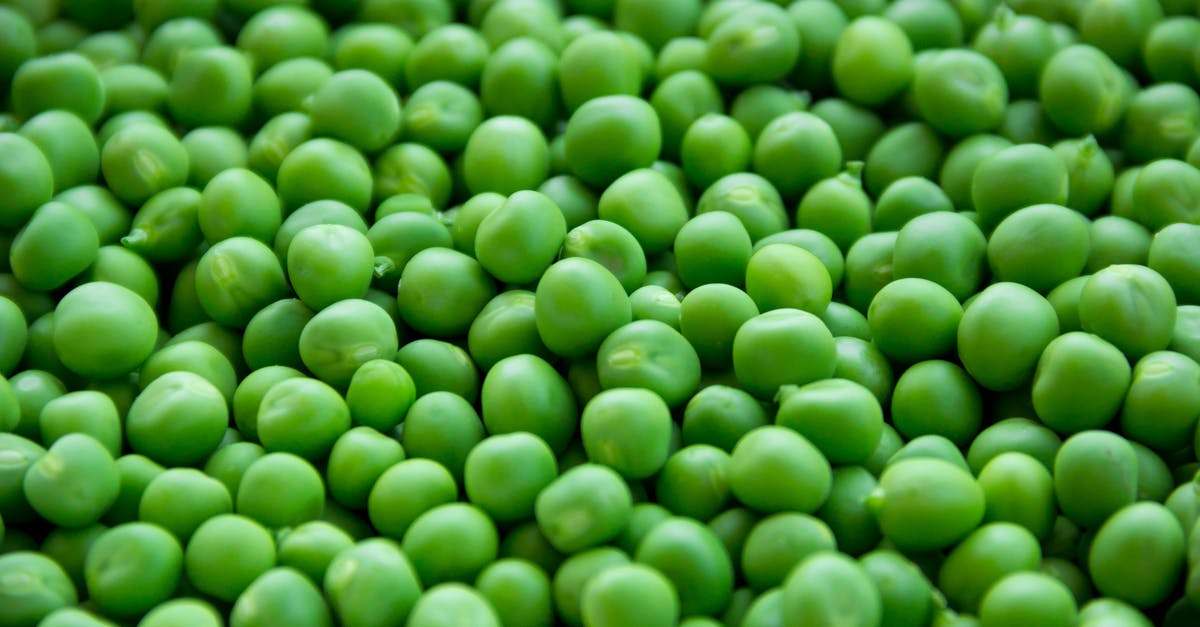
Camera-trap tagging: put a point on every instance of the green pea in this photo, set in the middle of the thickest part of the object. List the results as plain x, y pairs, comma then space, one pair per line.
506, 326
238, 202
1019, 489
1108, 301
276, 139
757, 45
767, 350
904, 590
444, 427
179, 418
1045, 174
1095, 474
136, 472
310, 258
509, 248
181, 499
709, 318
955, 262
281, 490
797, 138
1184, 337
694, 482
280, 33
597, 64
371, 582
1018, 252
74, 483
106, 213
621, 202
191, 356
358, 458
450, 52
912, 149
87, 412
778, 543
750, 197
379, 394
627, 593
546, 406
1152, 415
344, 336
914, 319
211, 150
453, 603
712, 147
21, 453
1160, 193
211, 86
238, 277
302, 416
680, 54
906, 199
182, 612
21, 42
131, 568
576, 201
960, 92
66, 80
634, 450
583, 507
937, 398
958, 169
1167, 51
280, 594
68, 145
56, 244
1015, 434
26, 179
1149, 531
776, 469
845, 512
312, 547
442, 115
842, 418
141, 160
36, 587
1025, 122
1161, 122
1100, 609
504, 473
719, 416
405, 491
1026, 597
1082, 90
869, 266
287, 85
436, 366
431, 301
595, 160
460, 525
103, 330
1117, 240
321, 169
692, 559
578, 285
872, 61
272, 336
830, 586
986, 556
655, 302
175, 35
1066, 392
1020, 45
649, 354
925, 503
861, 361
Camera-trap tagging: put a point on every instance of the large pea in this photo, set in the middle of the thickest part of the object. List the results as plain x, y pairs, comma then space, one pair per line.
1003, 333
985, 557
1159, 409
1019, 489
520, 239
56, 244
830, 587
1079, 383
578, 302
1040, 246
925, 504
944, 247
1137, 555
780, 347
524, 393
1095, 474
692, 558
1131, 306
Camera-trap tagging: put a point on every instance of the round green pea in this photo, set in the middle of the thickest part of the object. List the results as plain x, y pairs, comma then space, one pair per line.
210, 87
316, 169
914, 319
525, 393
442, 290
1082, 90
504, 474
132, 568
774, 469
379, 394
55, 245
463, 526
444, 427
1040, 246
505, 154
782, 276
756, 45
583, 507
636, 450
453, 603
1025, 598
437, 366
74, 483
630, 593
781, 347
1002, 334
830, 586
35, 587
521, 238
577, 304
1131, 306
370, 583
280, 490
1167, 256
599, 162
280, 594
872, 61
841, 418
26, 179
345, 335
946, 248
1137, 555
180, 499
178, 419
924, 503
406, 490
66, 80
1095, 474
611, 245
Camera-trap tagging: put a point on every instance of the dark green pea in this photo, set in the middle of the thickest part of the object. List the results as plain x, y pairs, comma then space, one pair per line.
135, 473
275, 140
750, 197
959, 167
58, 243
852, 526
598, 162
654, 302
692, 558
67, 80
440, 366
574, 199
272, 335
927, 24
778, 543
451, 52
597, 64
532, 19
547, 407
985, 557
406, 202
872, 61
1065, 300
830, 586
280, 490
797, 138
1168, 49
710, 317
21, 453
1118, 28
1020, 435
378, 47
837, 207
248, 395
755, 107
578, 285
211, 86
911, 149
15, 333
38, 586
406, 490
1025, 122
905, 592
376, 121
1186, 336
1083, 91
1166, 256
845, 321
20, 42
856, 127
68, 145
224, 339
107, 214
938, 398
720, 415
925, 503
1161, 122
142, 160
952, 83
238, 202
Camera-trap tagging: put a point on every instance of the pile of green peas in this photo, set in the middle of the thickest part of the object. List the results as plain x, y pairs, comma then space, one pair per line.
599, 313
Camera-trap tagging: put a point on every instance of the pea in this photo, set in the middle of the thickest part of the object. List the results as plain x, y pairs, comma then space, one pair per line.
379, 394
272, 336
371, 581
1017, 252
66, 80
797, 138
589, 489
37, 262
691, 558
287, 85
179, 418
37, 587
926, 503
378, 47
750, 197
599, 163
903, 590
135, 474
1025, 597
766, 351
906, 199
712, 247
1103, 608
943, 247
280, 490
1082, 90
179, 500
1152, 375
131, 568
828, 585
577, 284
280, 594
677, 55
443, 427
1164, 258
595, 65
757, 45
26, 178
1162, 193
276, 139
1139, 288
406, 490
985, 557
523, 164
1095, 474
1025, 122
182, 611
954, 82
74, 483
714, 146
316, 169
1045, 175
914, 319
440, 366
776, 469
515, 75
1160, 122
453, 602
210, 86
280, 33
68, 145
627, 593
1155, 480
872, 61
958, 169
1117, 240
